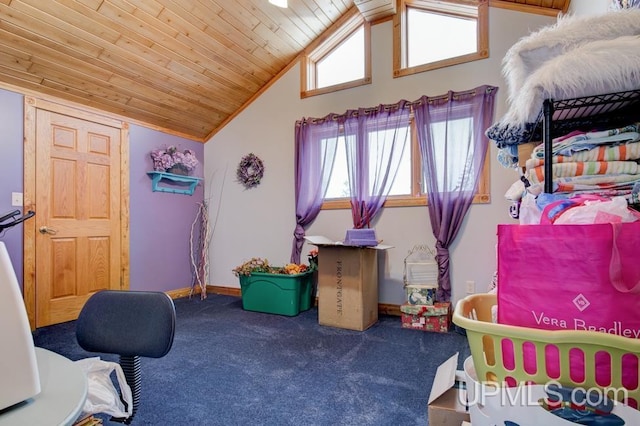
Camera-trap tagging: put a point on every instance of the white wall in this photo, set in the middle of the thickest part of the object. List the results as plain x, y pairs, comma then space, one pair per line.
588, 7
260, 222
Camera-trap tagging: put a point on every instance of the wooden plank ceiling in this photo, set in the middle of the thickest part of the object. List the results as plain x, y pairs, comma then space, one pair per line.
182, 66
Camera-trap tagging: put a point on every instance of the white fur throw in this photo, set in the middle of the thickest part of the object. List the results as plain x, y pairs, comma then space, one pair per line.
598, 67
533, 51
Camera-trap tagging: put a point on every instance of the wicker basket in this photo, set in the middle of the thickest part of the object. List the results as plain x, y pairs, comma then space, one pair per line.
487, 341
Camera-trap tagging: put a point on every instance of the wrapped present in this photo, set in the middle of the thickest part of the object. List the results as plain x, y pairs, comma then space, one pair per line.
421, 294
438, 323
437, 309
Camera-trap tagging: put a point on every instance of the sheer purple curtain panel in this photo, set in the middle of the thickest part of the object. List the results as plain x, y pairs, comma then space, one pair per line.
453, 147
376, 139
624, 4
315, 147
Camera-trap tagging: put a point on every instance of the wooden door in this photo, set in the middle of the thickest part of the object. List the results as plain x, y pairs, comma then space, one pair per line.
77, 234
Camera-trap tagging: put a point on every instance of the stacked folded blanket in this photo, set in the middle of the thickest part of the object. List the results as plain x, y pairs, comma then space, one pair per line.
580, 141
626, 151
594, 169
590, 161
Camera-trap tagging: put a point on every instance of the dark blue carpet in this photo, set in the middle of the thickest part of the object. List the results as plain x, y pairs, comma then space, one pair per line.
229, 366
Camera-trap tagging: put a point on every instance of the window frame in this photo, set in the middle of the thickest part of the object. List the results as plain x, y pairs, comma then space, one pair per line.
417, 196
453, 8
327, 43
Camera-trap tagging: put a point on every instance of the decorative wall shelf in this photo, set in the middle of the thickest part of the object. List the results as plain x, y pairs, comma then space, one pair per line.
176, 184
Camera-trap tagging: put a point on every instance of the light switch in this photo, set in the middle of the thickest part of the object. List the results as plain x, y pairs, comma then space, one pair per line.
16, 199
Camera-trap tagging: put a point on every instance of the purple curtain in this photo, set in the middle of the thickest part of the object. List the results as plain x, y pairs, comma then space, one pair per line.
375, 139
316, 141
453, 148
624, 4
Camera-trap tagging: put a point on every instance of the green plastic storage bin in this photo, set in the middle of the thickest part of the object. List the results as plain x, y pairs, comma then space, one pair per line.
277, 293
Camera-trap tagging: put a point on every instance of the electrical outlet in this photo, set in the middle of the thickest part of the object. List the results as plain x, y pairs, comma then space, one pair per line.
16, 199
471, 287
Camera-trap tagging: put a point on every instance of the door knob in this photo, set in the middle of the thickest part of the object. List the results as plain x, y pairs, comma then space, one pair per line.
46, 230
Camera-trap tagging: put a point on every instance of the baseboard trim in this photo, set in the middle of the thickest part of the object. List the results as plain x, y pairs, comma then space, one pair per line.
388, 309
227, 291
180, 293
383, 308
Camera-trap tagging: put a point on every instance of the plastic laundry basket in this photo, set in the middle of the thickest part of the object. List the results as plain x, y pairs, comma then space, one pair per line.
527, 405
572, 358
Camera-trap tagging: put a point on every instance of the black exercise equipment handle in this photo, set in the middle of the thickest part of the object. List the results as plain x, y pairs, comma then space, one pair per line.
16, 220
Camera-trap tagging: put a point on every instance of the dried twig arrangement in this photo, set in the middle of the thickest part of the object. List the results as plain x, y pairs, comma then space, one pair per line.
200, 249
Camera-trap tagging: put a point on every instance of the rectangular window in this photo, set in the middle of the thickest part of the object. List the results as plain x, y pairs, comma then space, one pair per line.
431, 34
339, 181
408, 186
424, 26
456, 168
376, 137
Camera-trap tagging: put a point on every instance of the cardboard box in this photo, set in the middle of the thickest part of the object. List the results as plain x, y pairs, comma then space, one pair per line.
347, 284
524, 152
447, 399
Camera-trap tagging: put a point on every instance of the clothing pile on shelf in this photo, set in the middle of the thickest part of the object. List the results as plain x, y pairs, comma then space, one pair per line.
590, 64
597, 171
590, 161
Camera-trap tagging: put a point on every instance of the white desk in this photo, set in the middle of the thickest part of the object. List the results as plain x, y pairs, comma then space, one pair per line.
64, 390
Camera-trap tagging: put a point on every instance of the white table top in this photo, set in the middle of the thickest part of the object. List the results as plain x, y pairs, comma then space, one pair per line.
64, 390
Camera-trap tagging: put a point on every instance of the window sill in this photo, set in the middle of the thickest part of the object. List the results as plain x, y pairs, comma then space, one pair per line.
345, 204
335, 88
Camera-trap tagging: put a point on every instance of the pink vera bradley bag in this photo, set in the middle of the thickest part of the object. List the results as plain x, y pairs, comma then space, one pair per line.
571, 277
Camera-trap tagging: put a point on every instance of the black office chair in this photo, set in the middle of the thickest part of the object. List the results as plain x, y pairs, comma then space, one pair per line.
132, 324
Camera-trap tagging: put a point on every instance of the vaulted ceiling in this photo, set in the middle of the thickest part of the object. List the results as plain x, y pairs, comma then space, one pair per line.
182, 66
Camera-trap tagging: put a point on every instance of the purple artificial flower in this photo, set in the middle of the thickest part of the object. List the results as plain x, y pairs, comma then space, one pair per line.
164, 159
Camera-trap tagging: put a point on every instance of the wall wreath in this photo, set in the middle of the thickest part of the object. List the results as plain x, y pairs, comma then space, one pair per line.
250, 171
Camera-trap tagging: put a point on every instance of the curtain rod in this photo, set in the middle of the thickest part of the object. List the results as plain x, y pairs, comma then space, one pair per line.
405, 104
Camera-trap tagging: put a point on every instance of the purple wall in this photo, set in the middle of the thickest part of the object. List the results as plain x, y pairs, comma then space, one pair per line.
160, 222
11, 131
